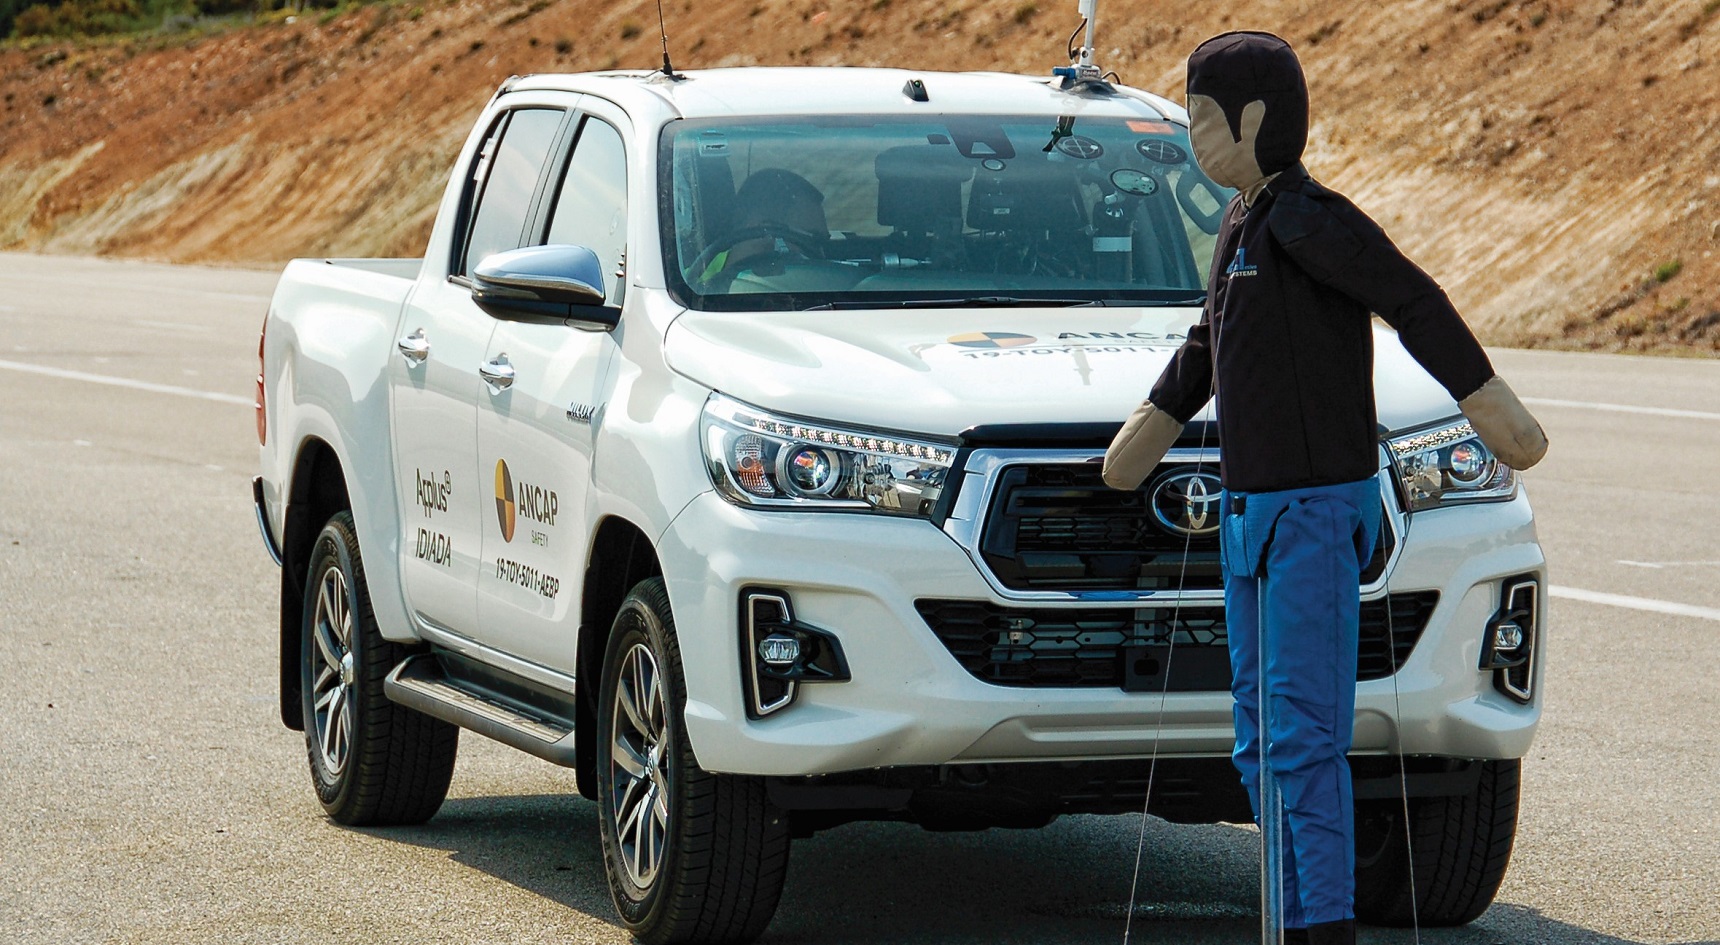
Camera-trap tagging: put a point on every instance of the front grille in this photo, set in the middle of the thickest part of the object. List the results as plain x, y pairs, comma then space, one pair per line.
1046, 647
1057, 526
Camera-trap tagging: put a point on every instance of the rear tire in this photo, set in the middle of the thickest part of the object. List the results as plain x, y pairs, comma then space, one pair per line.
373, 763
1462, 846
690, 856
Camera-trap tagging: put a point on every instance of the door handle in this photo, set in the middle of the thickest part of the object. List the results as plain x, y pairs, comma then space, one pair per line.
414, 348
498, 374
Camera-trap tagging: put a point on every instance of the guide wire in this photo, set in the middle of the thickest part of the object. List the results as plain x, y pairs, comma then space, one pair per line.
1164, 694
1073, 53
1397, 731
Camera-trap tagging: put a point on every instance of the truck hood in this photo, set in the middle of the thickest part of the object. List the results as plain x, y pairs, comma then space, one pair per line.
941, 372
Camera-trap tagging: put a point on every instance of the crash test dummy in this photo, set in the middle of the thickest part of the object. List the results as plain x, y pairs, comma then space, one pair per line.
1285, 344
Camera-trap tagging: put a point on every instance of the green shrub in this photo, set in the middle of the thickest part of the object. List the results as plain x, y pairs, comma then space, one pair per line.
77, 18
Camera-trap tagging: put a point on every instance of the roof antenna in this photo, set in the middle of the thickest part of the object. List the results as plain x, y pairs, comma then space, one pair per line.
668, 70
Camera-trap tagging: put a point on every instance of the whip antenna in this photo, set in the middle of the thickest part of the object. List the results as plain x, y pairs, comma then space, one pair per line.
663, 31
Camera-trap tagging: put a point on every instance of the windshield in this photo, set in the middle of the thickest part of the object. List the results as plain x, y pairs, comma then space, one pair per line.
846, 212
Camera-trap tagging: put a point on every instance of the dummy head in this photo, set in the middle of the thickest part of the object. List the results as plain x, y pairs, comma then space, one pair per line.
1248, 108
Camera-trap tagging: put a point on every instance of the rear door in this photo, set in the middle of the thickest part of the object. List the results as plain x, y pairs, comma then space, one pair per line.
537, 435
435, 380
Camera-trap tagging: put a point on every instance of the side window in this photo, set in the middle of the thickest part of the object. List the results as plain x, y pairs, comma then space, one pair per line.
591, 209
514, 167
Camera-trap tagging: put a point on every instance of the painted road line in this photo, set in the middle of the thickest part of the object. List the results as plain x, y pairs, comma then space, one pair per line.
1623, 408
64, 374
1634, 603
176, 326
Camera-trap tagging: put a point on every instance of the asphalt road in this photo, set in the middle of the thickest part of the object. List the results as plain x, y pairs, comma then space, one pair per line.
148, 793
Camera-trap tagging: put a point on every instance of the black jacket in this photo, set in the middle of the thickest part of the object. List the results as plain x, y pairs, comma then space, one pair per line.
1285, 339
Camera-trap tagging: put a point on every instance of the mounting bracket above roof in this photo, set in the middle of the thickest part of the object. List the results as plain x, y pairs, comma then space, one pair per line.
1082, 75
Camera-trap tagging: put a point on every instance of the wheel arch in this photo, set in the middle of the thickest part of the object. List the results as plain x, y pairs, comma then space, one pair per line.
621, 556
316, 491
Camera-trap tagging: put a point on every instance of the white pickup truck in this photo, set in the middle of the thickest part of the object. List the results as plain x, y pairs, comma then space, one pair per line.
736, 443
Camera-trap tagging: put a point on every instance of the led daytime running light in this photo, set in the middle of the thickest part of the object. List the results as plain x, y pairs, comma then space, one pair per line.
1433, 439
853, 441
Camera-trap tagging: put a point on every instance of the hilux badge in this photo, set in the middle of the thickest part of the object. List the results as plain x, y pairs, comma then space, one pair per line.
1186, 503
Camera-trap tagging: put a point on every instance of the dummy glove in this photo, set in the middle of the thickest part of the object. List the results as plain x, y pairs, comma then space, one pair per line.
1144, 439
1504, 424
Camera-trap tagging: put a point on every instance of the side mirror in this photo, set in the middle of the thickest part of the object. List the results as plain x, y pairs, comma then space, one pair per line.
554, 283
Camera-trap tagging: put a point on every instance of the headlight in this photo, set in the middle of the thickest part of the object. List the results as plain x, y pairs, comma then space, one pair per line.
760, 459
1447, 465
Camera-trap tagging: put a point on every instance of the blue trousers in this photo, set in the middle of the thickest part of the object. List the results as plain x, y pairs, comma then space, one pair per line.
1294, 559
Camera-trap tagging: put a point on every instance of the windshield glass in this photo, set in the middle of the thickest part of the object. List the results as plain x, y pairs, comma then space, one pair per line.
851, 212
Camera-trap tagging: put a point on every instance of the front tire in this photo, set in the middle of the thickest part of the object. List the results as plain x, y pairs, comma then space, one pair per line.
373, 763
690, 856
1461, 847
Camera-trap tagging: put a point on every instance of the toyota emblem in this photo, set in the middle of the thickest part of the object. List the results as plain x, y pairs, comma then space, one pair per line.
1187, 503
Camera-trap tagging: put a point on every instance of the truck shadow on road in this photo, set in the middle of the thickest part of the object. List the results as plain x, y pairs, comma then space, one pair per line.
1068, 883
545, 844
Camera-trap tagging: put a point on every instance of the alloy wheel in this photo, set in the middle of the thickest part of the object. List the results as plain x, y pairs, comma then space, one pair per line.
639, 767
332, 705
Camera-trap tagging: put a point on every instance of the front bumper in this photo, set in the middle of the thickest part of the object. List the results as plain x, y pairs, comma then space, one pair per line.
910, 702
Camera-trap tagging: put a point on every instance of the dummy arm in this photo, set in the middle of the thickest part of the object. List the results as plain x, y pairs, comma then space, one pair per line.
1183, 388
1342, 247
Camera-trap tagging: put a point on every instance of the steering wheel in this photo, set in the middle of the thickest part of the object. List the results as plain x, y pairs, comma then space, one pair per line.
807, 244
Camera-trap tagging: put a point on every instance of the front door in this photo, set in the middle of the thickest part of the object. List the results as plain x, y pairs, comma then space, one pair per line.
536, 436
436, 385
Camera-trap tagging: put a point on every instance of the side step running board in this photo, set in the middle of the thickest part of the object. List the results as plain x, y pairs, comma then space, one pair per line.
419, 683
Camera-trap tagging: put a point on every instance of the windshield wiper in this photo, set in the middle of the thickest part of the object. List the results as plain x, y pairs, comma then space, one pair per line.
1155, 303
976, 301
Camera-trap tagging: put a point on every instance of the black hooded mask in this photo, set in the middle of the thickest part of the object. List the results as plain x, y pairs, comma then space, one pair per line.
1248, 108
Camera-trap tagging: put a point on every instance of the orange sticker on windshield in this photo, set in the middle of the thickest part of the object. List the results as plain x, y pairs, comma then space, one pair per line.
1152, 128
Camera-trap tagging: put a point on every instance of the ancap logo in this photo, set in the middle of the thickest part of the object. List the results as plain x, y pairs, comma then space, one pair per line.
505, 499
1240, 265
1186, 503
991, 339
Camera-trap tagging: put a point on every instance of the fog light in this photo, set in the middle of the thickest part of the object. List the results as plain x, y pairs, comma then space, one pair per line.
779, 650
1508, 647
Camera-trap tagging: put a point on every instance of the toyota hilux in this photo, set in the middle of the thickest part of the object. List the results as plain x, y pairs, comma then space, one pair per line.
736, 443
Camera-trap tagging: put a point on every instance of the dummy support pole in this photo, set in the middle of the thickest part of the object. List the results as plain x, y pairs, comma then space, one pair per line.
1271, 800
1089, 12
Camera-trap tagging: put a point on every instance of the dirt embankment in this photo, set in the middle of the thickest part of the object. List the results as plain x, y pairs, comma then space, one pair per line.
1555, 163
